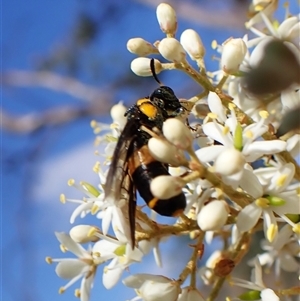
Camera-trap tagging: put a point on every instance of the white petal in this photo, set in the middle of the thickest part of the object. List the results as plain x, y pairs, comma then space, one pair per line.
293, 145
209, 153
288, 263
286, 172
71, 268
250, 183
286, 25
85, 288
190, 294
106, 219
135, 281
216, 132
163, 289
256, 276
248, 217
215, 106
268, 295
258, 148
71, 245
105, 248
283, 237
257, 129
133, 255
111, 274
82, 207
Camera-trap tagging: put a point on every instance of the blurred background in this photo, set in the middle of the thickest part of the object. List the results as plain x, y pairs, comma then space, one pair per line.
65, 63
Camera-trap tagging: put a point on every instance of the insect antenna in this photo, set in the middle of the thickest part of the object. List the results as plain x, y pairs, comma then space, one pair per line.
152, 68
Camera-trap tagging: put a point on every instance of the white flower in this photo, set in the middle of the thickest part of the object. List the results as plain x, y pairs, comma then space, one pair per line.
256, 284
275, 196
121, 255
230, 136
85, 266
153, 287
288, 30
281, 253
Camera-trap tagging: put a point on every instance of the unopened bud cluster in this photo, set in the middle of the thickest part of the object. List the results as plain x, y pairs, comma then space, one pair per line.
170, 48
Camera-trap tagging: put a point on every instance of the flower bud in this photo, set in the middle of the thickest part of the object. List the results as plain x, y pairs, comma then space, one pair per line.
177, 133
141, 66
166, 187
166, 17
229, 162
165, 152
140, 47
117, 114
172, 50
192, 44
233, 53
81, 233
213, 216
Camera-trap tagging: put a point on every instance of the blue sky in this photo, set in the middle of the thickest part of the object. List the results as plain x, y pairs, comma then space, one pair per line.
37, 165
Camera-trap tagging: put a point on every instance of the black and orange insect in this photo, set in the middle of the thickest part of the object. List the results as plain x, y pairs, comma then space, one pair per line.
133, 168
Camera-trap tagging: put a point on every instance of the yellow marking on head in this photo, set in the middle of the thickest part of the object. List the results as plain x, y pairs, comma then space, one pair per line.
153, 203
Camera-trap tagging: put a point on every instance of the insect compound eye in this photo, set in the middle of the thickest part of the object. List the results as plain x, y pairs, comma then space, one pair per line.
158, 102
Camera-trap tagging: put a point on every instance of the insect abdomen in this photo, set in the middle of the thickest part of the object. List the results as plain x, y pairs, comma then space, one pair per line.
144, 169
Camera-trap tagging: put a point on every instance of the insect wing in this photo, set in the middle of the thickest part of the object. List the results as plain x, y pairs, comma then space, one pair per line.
118, 169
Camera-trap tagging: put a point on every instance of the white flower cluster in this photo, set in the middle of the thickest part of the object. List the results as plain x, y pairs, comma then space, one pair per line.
238, 177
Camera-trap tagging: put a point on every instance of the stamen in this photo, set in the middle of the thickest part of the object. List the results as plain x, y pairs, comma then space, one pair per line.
281, 180
212, 115
63, 248
62, 198
296, 229
77, 293
272, 232
49, 260
264, 114
71, 182
262, 202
